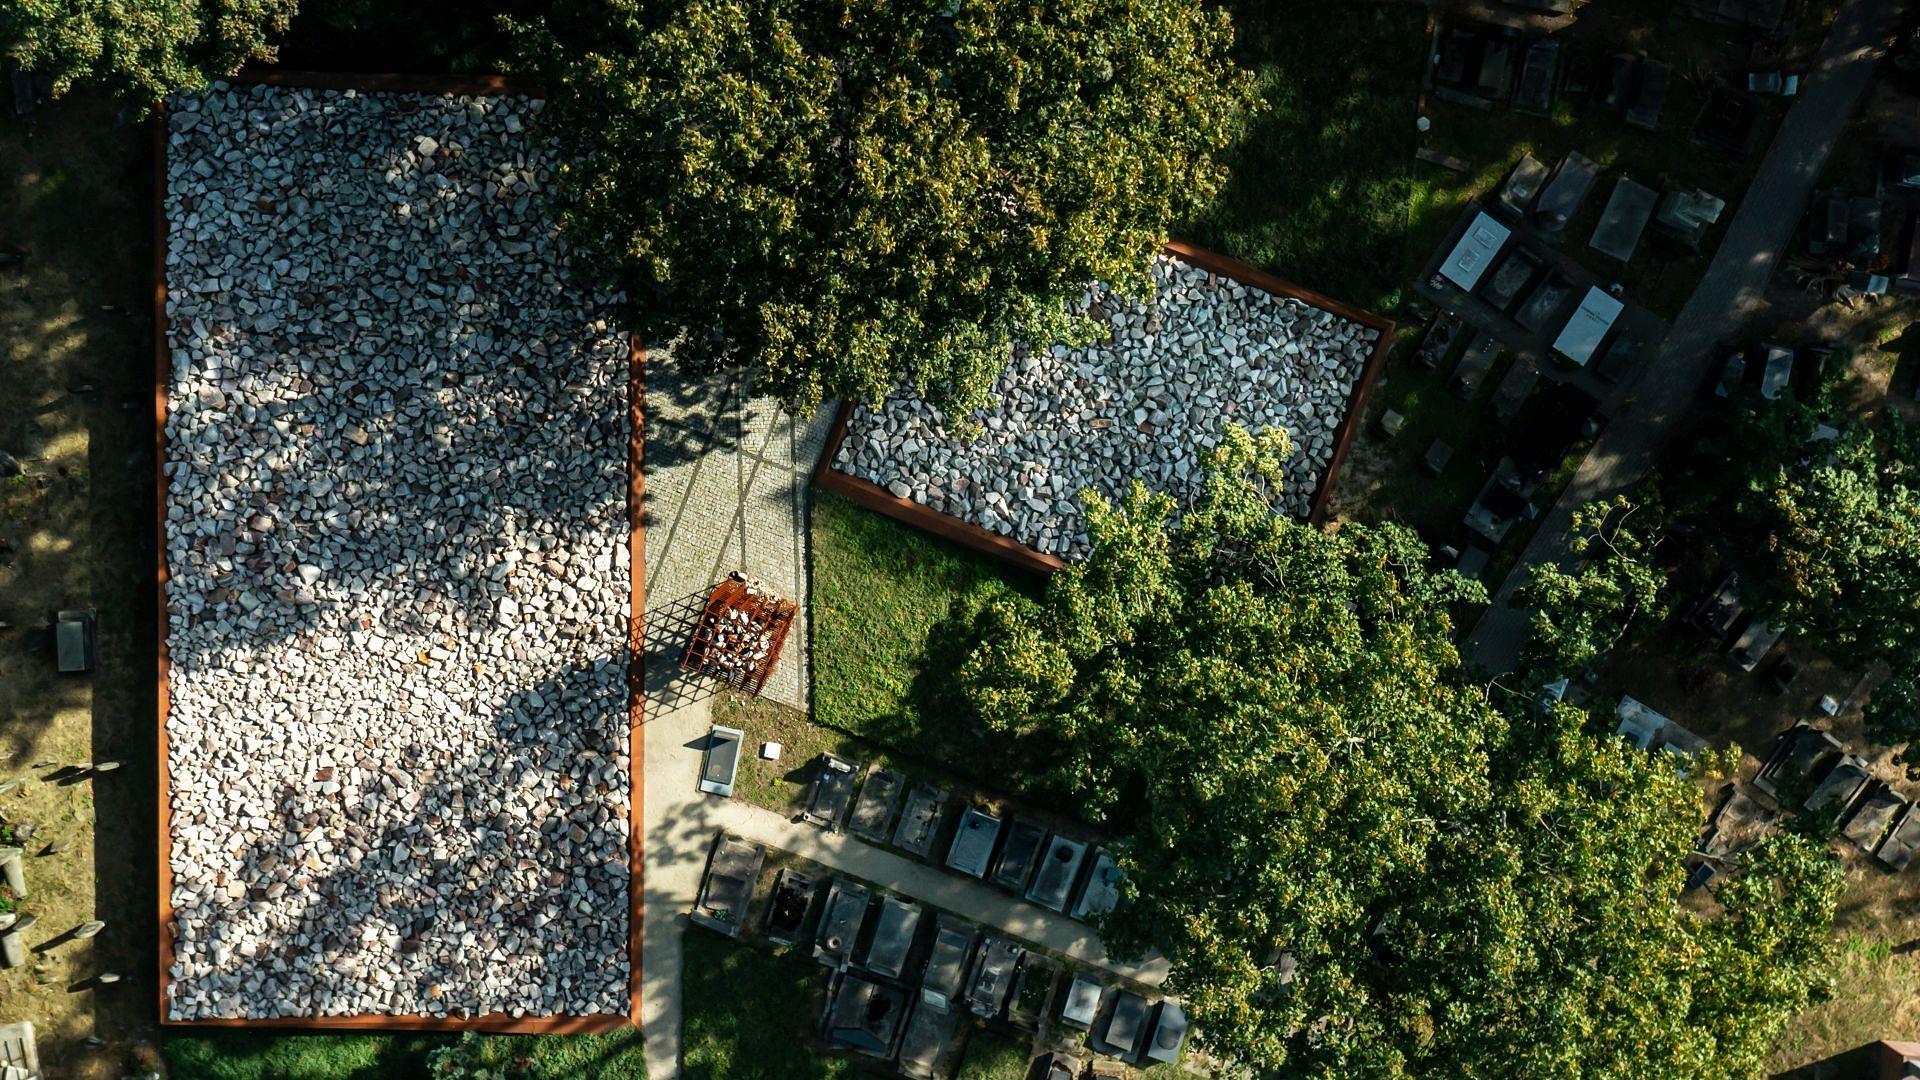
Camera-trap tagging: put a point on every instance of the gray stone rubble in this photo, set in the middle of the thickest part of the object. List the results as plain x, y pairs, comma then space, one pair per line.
397, 541
1146, 403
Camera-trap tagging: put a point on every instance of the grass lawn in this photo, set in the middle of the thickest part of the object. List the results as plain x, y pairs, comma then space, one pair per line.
257, 1056
75, 348
1324, 189
995, 1057
782, 786
249, 1056
890, 607
750, 1015
1878, 990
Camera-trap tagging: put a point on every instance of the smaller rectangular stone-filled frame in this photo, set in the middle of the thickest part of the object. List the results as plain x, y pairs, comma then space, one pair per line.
1311, 370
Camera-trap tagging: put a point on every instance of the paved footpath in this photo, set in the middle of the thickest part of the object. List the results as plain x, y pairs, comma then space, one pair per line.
726, 490
680, 826
1670, 383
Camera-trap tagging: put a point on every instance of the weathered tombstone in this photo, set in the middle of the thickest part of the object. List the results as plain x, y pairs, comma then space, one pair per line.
1541, 305
1628, 210
13, 864
1535, 92
920, 821
1512, 392
88, 929
1522, 184
1649, 95
873, 811
1560, 200
1438, 455
76, 643
1686, 214
24, 98
13, 946
1473, 561
1391, 422
1440, 337
1474, 365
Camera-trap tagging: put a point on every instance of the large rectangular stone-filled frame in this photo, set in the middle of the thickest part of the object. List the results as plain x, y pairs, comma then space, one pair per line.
493, 1023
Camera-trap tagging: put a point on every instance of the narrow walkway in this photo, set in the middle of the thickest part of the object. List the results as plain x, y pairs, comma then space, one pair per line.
680, 827
968, 898
726, 490
1671, 381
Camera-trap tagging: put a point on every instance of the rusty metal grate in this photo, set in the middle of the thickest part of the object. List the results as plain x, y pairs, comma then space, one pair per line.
740, 632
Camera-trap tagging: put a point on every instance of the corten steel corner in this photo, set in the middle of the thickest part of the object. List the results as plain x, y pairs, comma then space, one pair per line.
636, 552
1005, 548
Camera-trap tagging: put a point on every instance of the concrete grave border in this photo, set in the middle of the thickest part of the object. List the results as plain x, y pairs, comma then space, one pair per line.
636, 397
967, 534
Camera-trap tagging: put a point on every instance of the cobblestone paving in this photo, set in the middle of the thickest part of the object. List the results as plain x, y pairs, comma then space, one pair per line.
726, 489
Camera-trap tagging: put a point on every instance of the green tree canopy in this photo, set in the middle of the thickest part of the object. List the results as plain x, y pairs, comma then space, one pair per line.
846, 194
1357, 864
141, 49
1836, 555
1617, 590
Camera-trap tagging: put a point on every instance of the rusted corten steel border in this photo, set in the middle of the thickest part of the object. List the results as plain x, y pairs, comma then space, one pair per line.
636, 551
879, 499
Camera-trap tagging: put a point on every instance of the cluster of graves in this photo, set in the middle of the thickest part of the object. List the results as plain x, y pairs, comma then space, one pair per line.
1541, 417
1502, 258
1876, 232
1053, 870
907, 985
1808, 770
1482, 66
1745, 640
1771, 369
1812, 772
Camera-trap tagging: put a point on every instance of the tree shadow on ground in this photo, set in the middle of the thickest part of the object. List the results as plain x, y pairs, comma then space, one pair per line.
692, 413
942, 728
1322, 180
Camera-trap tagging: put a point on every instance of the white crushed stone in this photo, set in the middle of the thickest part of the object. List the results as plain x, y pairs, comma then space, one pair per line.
397, 539
1145, 403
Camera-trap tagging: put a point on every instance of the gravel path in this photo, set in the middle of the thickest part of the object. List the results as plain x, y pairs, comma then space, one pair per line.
396, 532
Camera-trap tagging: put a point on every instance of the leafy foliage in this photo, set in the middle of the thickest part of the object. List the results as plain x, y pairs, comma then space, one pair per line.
842, 194
1617, 591
1356, 863
141, 49
1825, 533
1841, 540
1554, 944
1907, 57
1839, 558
